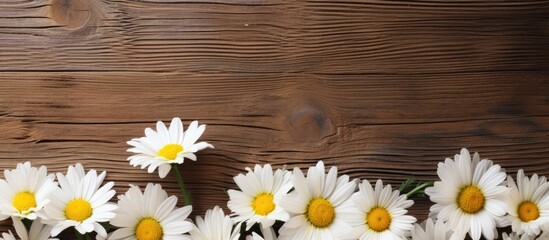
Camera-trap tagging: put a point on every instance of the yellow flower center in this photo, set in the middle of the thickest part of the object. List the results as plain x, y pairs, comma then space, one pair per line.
471, 199
320, 212
78, 210
528, 211
23, 201
378, 219
263, 204
170, 151
148, 229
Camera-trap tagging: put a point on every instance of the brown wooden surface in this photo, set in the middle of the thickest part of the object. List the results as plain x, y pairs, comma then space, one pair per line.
382, 89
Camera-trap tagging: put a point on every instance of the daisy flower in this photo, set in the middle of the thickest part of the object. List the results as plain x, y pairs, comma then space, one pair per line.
316, 205
469, 195
38, 231
258, 202
433, 231
150, 215
25, 191
80, 202
165, 146
215, 226
379, 213
528, 203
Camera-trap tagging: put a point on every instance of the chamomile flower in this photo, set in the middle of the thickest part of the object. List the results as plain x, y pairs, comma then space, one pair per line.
80, 202
469, 195
165, 146
38, 231
149, 215
25, 191
379, 213
528, 203
258, 202
433, 231
316, 205
215, 226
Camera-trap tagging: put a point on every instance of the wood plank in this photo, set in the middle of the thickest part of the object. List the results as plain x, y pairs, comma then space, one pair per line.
380, 127
391, 37
382, 89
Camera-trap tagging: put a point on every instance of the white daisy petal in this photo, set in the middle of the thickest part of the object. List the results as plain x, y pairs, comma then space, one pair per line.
176, 128
178, 214
215, 225
122, 233
37, 231
430, 230
163, 170
193, 133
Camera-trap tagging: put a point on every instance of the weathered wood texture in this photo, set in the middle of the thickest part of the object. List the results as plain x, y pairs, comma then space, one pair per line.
382, 89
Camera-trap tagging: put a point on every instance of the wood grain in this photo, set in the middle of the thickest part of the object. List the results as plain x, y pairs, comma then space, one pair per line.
382, 89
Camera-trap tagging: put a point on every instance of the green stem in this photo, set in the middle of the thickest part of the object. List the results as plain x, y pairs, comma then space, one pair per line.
418, 188
186, 194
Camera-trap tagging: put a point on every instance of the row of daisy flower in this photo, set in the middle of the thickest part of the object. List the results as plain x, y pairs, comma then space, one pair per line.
473, 197
79, 200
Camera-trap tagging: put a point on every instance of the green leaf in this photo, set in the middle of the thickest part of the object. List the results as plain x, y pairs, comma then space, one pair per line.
419, 190
406, 184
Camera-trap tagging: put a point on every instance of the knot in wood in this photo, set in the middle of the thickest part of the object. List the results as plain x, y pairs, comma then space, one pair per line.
307, 123
70, 13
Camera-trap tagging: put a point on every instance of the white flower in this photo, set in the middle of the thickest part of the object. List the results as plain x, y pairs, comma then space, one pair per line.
268, 234
316, 205
38, 231
215, 226
164, 146
379, 213
528, 204
258, 202
80, 202
25, 191
433, 231
151, 215
469, 197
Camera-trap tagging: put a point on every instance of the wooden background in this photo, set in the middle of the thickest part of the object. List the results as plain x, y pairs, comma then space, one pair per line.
380, 88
